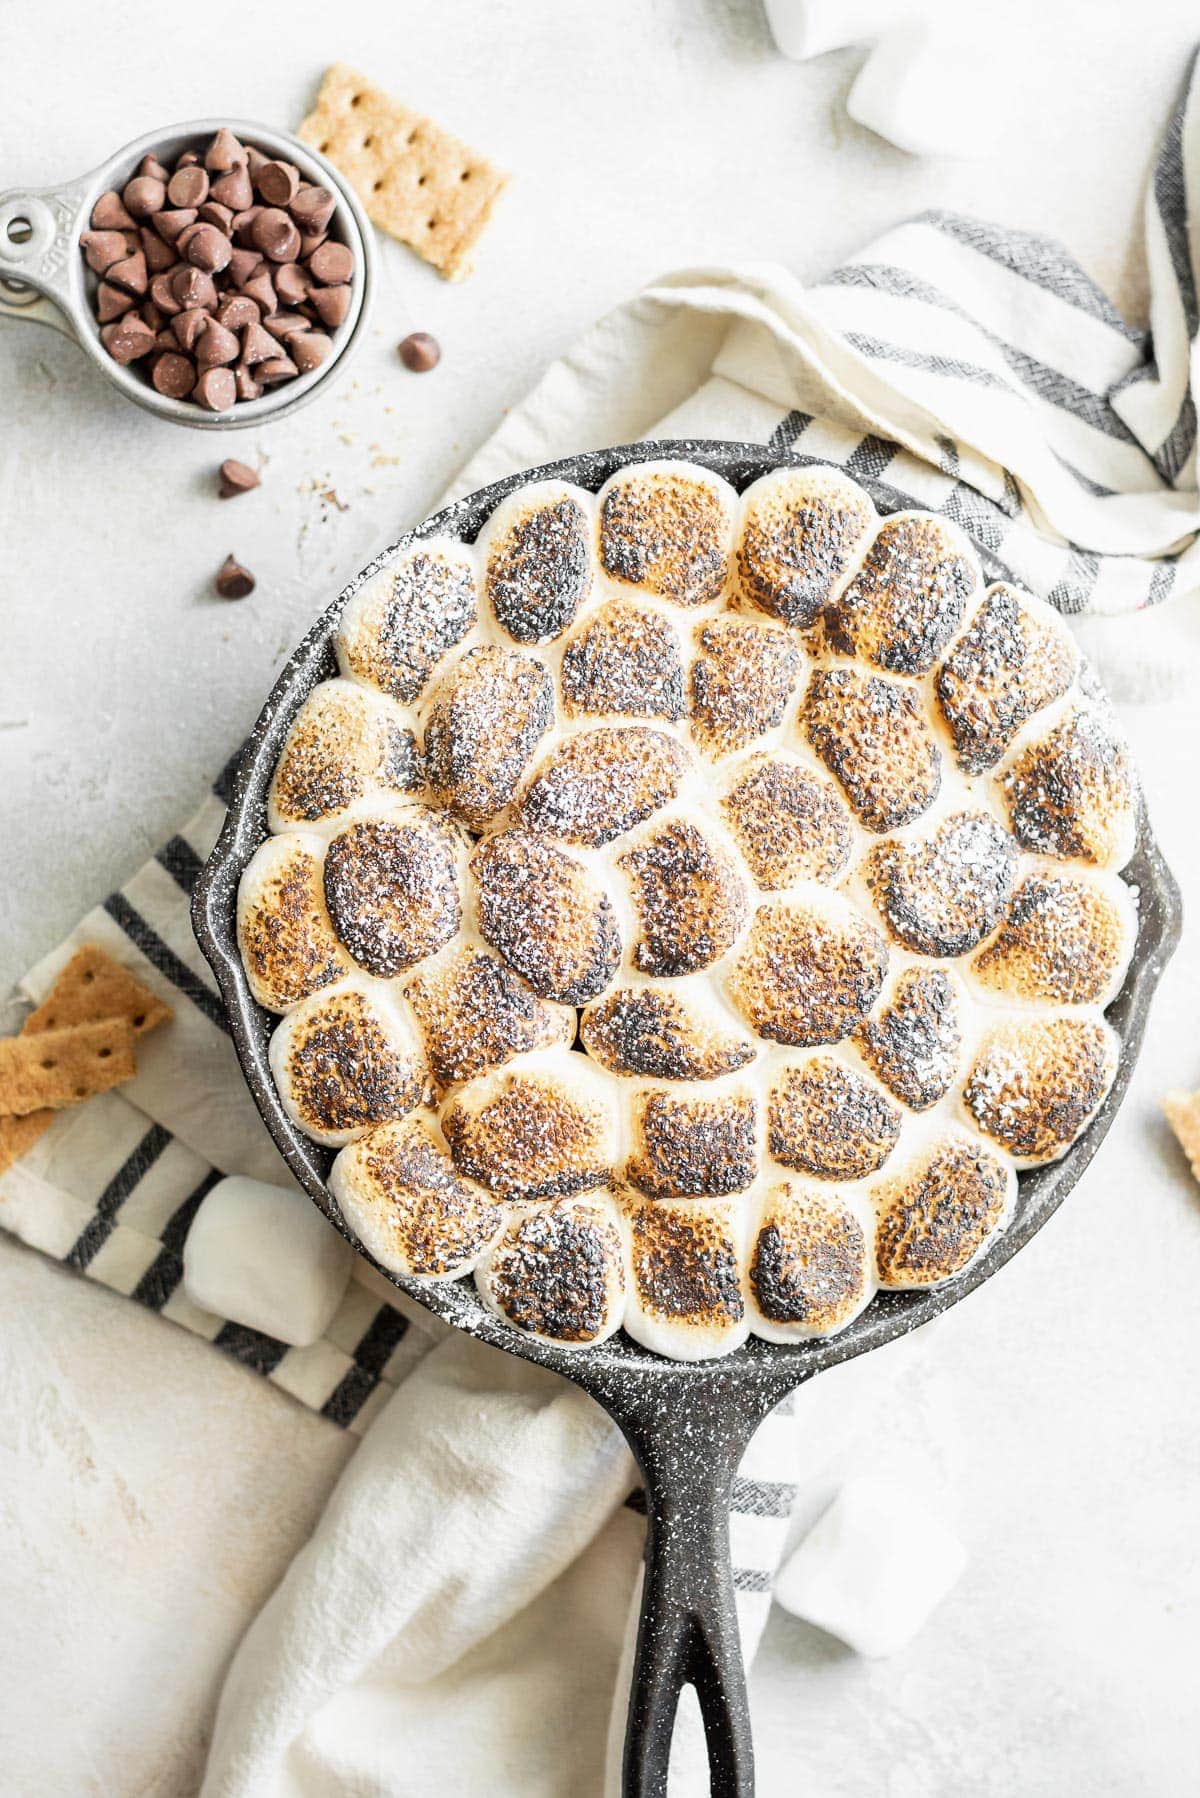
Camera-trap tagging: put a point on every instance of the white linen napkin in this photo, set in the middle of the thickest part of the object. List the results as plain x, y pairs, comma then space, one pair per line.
458, 1617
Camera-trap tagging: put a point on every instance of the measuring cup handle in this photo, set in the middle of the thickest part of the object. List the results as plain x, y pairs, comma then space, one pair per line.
38, 241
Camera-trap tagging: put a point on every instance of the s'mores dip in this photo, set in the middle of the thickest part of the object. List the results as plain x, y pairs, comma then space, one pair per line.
689, 910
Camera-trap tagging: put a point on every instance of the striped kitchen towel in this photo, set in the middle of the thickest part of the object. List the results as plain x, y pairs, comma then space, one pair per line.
979, 372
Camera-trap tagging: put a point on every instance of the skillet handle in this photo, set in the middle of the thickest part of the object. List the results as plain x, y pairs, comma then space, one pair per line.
688, 1635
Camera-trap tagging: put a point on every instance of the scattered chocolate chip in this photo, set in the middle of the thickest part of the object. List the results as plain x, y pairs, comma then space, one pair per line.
420, 352
173, 375
110, 214
188, 187
235, 477
143, 195
332, 264
216, 389
278, 183
234, 581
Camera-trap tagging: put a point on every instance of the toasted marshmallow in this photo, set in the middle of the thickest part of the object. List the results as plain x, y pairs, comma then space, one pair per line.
393, 887
802, 533
874, 738
913, 1041
741, 681
599, 783
649, 1030
810, 969
398, 626
1069, 789
475, 1014
558, 1273
542, 1130
906, 601
693, 1145
287, 941
1014, 657
943, 895
1067, 940
344, 1061
824, 1119
547, 915
398, 1191
1036, 1082
810, 1271
789, 822
667, 527
687, 1286
689, 898
623, 661
347, 746
936, 1214
484, 719
536, 553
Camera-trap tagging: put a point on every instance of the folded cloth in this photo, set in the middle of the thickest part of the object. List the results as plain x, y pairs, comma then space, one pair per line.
459, 1616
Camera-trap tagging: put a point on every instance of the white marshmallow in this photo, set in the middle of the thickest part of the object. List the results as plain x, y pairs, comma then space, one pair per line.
264, 1256
923, 97
876, 1565
804, 28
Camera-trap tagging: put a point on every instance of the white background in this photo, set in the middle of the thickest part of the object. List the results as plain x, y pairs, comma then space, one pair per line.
150, 1493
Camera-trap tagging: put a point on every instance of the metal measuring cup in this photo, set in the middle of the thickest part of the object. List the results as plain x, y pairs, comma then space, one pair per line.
45, 280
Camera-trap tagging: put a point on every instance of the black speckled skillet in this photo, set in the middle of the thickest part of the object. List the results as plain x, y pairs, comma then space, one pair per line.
688, 1425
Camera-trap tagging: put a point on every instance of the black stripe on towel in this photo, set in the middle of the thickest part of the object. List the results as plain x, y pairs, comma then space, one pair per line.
181, 863
870, 457
372, 1354
250, 1347
788, 429
1072, 592
974, 514
762, 1498
166, 1270
903, 357
164, 958
752, 1579
100, 1225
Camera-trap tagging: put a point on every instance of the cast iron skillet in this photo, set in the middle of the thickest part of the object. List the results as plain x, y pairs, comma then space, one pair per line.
687, 1424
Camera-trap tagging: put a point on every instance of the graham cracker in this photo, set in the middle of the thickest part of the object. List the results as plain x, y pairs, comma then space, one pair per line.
416, 181
53, 1068
92, 986
1183, 1114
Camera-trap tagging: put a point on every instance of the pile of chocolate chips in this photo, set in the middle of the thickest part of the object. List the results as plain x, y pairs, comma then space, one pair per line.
219, 275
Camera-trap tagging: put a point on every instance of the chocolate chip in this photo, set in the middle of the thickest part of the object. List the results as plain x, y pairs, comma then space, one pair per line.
129, 273
331, 305
279, 368
291, 284
143, 195
152, 168
243, 225
127, 340
247, 387
224, 153
235, 477
110, 214
243, 264
216, 346
165, 340
102, 248
257, 345
193, 287
332, 264
159, 255
310, 241
173, 375
261, 290
234, 581
420, 352
278, 183
211, 213
171, 225
234, 190
188, 160
309, 350
207, 248
286, 324
255, 161
188, 326
312, 208
275, 235
150, 315
236, 313
216, 389
112, 302
188, 187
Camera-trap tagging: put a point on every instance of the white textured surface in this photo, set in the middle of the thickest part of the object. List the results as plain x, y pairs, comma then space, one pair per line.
150, 1492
